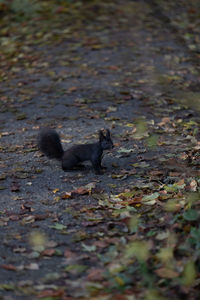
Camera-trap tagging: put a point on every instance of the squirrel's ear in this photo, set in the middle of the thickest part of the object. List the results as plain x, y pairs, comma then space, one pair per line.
101, 135
107, 133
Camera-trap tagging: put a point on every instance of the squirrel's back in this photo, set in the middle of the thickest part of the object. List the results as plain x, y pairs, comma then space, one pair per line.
49, 143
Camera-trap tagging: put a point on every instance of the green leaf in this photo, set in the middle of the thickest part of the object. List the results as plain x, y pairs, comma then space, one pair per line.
94, 287
89, 248
189, 274
191, 198
151, 197
58, 226
194, 238
191, 215
75, 269
141, 129
7, 287
152, 141
151, 233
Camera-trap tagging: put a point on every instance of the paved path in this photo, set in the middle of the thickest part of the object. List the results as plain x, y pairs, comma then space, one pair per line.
129, 73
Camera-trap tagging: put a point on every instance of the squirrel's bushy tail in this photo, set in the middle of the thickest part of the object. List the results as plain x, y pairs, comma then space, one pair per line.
49, 143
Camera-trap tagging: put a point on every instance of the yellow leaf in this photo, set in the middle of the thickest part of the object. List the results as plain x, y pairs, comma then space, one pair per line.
67, 195
38, 240
130, 125
56, 199
139, 249
165, 255
119, 281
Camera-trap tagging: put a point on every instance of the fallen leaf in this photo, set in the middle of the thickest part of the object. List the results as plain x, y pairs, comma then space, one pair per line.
48, 252
191, 215
166, 273
88, 248
58, 226
82, 190
189, 274
15, 187
51, 294
150, 199
193, 185
96, 274
32, 266
9, 267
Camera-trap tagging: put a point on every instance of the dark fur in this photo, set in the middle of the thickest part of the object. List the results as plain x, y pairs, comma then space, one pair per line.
49, 143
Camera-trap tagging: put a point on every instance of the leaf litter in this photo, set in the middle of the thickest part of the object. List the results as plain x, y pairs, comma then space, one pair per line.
132, 233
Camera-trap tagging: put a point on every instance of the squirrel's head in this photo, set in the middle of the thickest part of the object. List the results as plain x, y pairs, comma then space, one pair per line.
105, 140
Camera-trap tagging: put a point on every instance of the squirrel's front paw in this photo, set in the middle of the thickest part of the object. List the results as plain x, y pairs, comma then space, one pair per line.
103, 168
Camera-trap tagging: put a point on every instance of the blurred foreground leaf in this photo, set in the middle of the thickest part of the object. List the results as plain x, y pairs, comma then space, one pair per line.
38, 240
191, 215
189, 274
138, 249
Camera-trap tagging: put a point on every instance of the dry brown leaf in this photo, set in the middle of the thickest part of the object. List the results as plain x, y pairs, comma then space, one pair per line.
166, 273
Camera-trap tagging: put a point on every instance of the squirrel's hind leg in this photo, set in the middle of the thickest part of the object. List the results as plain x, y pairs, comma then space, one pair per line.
70, 163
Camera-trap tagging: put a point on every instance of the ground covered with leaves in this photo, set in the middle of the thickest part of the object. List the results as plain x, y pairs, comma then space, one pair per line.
133, 232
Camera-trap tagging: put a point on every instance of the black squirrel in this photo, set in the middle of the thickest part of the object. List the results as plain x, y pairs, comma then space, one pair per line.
49, 143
